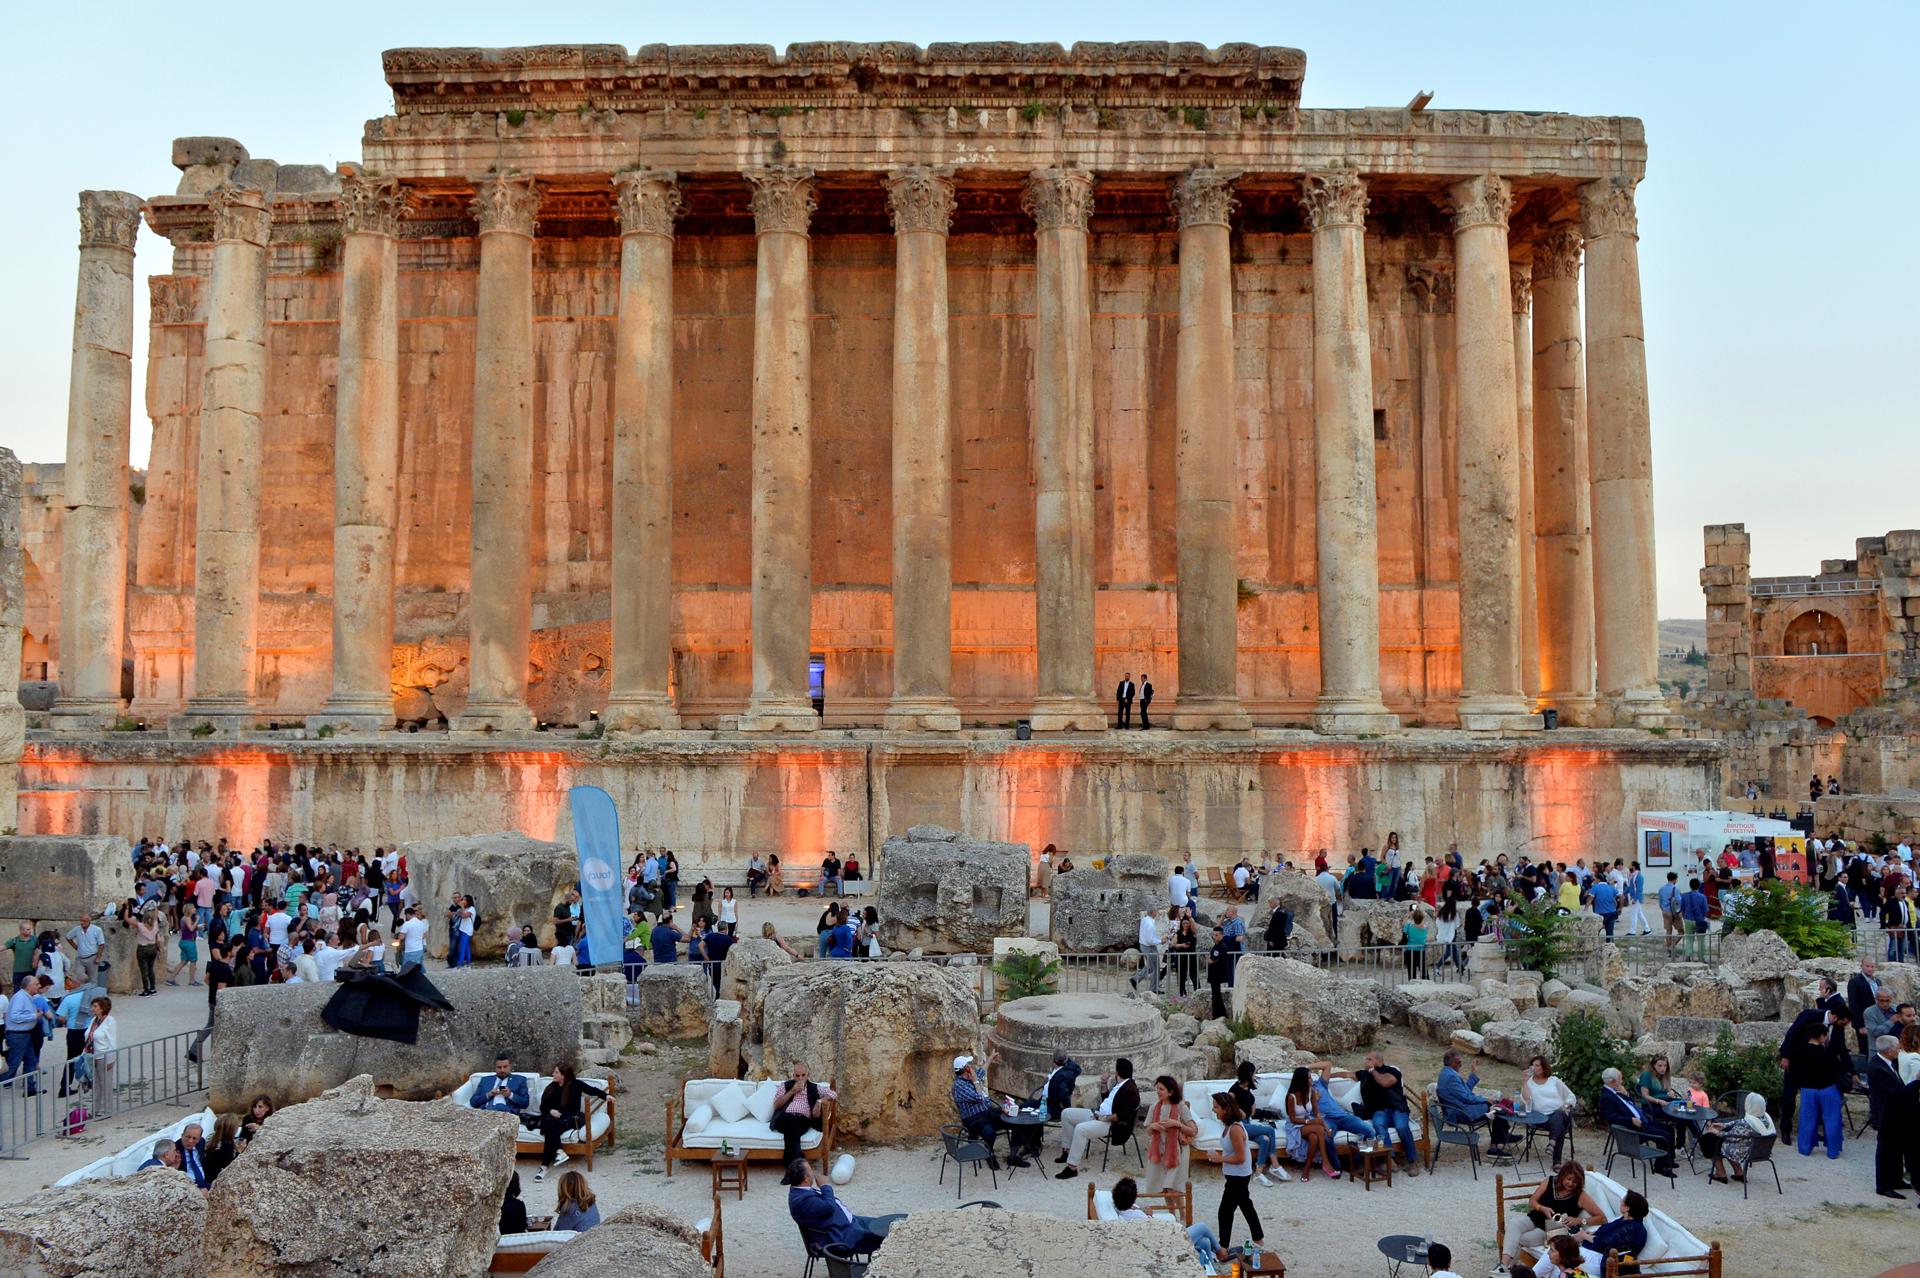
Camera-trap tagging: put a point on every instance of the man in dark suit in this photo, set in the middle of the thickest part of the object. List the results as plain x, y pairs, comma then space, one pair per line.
1146, 699
1895, 1110
1618, 1109
1828, 1002
1123, 698
1862, 988
826, 1221
192, 1151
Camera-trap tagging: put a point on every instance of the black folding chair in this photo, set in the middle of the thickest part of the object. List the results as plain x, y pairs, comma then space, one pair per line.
964, 1149
842, 1263
1120, 1137
1643, 1154
1447, 1131
1761, 1151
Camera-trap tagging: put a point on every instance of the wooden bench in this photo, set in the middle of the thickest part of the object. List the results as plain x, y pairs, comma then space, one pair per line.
712, 1245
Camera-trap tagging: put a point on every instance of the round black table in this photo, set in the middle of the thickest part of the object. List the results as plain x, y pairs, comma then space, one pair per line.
1535, 1122
1694, 1117
1402, 1250
1023, 1138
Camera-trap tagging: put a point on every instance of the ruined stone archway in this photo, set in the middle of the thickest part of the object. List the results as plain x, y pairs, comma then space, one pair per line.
1814, 633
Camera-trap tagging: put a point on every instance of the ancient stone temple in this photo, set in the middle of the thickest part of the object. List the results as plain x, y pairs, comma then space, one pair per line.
714, 396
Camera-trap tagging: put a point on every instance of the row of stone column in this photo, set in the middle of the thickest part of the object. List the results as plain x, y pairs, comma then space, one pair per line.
1587, 449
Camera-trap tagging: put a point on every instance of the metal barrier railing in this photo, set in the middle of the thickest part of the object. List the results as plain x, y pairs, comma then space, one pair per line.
57, 1098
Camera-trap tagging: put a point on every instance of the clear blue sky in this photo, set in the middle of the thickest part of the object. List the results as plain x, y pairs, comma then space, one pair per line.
1775, 239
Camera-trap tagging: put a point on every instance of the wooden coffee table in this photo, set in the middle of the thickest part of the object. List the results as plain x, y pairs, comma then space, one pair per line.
1267, 1262
730, 1173
1370, 1165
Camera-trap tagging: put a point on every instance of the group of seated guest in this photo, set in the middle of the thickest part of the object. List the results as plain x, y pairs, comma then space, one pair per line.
1620, 1109
1567, 1231
575, 1207
824, 1220
562, 1108
984, 1120
1114, 1119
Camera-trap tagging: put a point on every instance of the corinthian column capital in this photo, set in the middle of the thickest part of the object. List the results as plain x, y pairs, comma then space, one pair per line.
1481, 201
371, 205
1334, 197
109, 219
649, 201
921, 200
502, 203
1607, 208
1059, 199
240, 213
1556, 255
1520, 276
1204, 197
782, 199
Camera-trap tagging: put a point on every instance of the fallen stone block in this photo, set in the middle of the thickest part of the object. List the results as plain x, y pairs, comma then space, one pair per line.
940, 1244
1694, 1031
1514, 1042
943, 892
640, 1236
1319, 1012
57, 877
514, 881
1436, 1021
672, 1000
148, 1224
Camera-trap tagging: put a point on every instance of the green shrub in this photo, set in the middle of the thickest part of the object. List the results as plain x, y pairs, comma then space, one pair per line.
1539, 936
1027, 975
1727, 1067
1582, 1049
1796, 912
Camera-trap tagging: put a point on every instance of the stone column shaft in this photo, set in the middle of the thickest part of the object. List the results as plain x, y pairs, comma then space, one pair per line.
226, 586
641, 698
1204, 456
782, 454
922, 203
500, 589
1346, 533
1563, 550
1620, 454
93, 530
1522, 275
1061, 201
1491, 693
366, 458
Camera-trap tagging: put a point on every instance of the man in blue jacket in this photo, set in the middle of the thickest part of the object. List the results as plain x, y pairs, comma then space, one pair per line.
1461, 1104
1693, 912
505, 1092
826, 1221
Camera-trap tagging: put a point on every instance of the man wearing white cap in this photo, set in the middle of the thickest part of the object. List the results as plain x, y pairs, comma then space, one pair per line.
978, 1114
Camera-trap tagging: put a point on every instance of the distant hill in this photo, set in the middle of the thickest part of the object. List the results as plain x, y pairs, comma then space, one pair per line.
1682, 634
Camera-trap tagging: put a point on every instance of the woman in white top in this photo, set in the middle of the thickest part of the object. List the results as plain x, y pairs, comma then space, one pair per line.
561, 956
729, 912
1908, 1061
103, 1036
1542, 1093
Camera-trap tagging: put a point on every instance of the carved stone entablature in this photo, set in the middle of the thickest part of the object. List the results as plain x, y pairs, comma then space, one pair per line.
371, 205
173, 299
109, 219
782, 199
921, 199
1059, 199
1556, 254
1334, 197
1520, 275
1481, 201
1432, 289
566, 78
1204, 197
240, 213
648, 200
503, 203
1606, 208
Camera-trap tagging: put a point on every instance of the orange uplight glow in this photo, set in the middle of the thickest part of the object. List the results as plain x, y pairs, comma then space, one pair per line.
1559, 794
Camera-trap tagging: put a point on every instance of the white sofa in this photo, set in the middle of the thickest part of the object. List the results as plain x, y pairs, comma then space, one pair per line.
1268, 1091
128, 1160
701, 1121
1667, 1238
596, 1131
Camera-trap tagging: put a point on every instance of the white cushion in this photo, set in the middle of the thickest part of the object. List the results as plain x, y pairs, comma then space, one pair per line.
760, 1104
842, 1169
745, 1135
1103, 1205
537, 1240
730, 1104
128, 1160
703, 1224
697, 1121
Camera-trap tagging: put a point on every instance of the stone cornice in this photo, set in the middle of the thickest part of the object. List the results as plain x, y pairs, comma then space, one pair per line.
240, 213
1203, 197
1058, 199
1607, 208
782, 199
1334, 197
568, 78
920, 199
1485, 200
504, 203
648, 201
109, 219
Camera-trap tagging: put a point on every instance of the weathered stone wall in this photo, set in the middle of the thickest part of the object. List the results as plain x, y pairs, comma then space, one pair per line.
1567, 793
13, 721
62, 878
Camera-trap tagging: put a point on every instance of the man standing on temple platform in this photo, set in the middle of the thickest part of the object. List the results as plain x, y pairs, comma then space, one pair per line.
1146, 699
1123, 699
